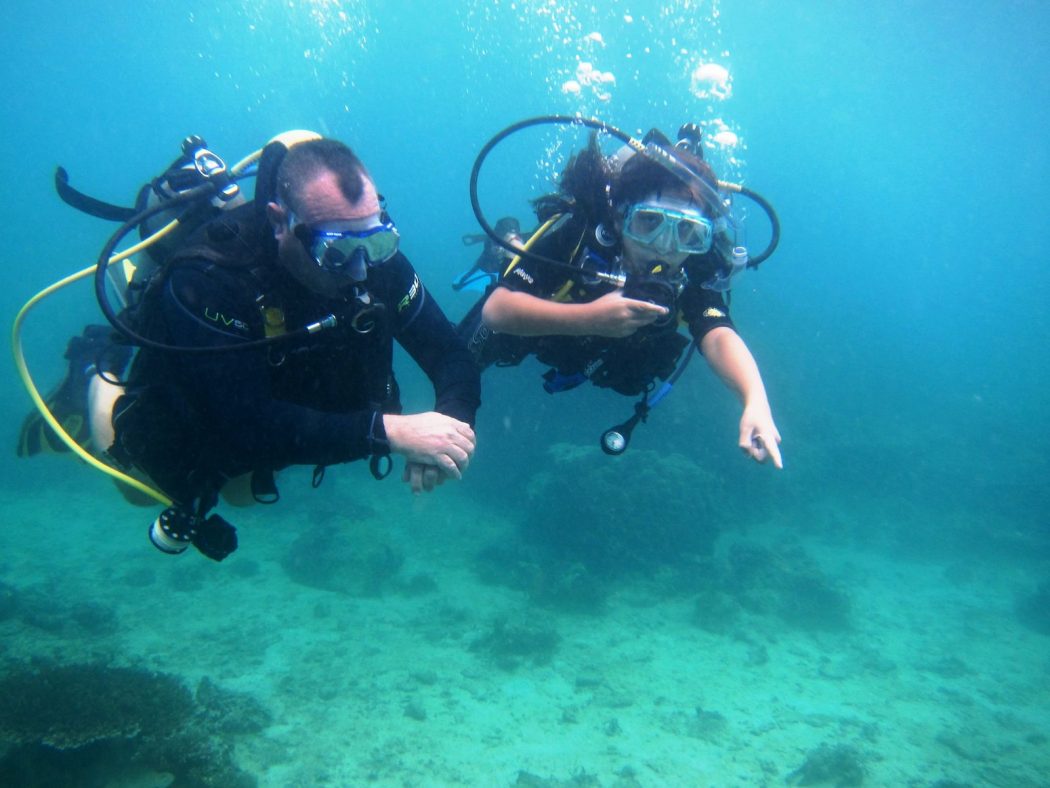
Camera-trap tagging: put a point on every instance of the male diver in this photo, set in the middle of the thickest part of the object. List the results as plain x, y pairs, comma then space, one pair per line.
267, 341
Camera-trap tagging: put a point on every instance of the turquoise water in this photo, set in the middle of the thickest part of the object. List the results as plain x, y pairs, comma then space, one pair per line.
901, 329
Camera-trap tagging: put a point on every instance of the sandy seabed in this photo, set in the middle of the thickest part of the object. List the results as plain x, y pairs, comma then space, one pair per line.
935, 683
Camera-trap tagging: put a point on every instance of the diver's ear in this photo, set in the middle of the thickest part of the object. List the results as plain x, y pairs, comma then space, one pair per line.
277, 216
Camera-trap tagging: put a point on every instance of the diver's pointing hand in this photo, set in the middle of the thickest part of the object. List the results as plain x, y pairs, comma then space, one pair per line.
759, 437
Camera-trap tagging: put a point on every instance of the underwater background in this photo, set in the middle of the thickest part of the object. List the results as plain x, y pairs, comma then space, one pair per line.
877, 613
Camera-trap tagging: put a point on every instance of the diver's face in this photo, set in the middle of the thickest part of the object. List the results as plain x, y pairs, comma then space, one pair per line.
321, 202
661, 246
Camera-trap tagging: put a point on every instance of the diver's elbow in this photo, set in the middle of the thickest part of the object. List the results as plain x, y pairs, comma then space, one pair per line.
494, 313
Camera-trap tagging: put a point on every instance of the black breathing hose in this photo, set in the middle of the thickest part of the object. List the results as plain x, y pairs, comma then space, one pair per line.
637, 146
189, 198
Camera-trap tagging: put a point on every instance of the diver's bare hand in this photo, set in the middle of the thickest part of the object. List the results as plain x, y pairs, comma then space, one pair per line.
614, 315
759, 436
432, 439
422, 478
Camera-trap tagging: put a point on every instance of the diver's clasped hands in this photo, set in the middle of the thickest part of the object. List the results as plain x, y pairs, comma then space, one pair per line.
435, 446
615, 315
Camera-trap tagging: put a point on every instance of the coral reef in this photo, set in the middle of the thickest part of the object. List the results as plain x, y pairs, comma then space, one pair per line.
560, 585
349, 559
716, 612
838, 765
509, 644
644, 510
786, 583
589, 524
581, 779
67, 707
229, 712
91, 724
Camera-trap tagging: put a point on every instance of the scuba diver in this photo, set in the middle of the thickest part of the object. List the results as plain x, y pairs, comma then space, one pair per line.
493, 258
265, 340
630, 247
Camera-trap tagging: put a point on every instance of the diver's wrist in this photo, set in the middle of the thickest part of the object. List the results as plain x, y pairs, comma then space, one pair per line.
378, 441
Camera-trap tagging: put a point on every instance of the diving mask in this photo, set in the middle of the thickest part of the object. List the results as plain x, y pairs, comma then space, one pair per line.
690, 231
338, 247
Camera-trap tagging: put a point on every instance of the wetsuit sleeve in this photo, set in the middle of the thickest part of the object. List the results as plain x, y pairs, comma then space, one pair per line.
205, 306
704, 310
423, 330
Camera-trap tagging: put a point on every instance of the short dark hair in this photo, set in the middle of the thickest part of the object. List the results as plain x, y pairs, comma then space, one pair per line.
306, 160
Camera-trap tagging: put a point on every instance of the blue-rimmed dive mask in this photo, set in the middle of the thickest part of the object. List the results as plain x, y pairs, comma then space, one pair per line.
669, 228
348, 246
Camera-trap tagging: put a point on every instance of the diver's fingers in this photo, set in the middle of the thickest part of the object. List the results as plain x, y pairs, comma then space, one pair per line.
460, 456
422, 477
643, 313
761, 448
466, 433
773, 447
448, 465
645, 307
751, 443
756, 450
414, 476
431, 477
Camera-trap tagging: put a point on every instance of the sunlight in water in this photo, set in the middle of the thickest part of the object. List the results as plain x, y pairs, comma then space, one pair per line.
617, 61
338, 22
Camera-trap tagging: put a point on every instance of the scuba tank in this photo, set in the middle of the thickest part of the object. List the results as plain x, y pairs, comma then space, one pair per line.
160, 201
193, 168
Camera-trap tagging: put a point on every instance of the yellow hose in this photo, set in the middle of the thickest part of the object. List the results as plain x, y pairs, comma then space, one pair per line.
41, 405
532, 240
23, 369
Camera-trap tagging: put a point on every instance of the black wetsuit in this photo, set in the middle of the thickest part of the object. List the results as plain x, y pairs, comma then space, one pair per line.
628, 365
193, 420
